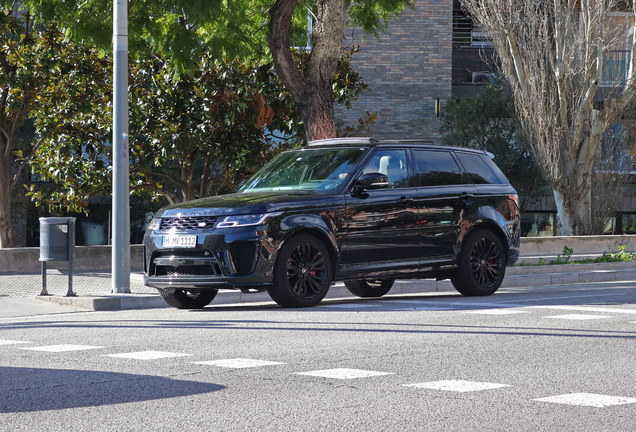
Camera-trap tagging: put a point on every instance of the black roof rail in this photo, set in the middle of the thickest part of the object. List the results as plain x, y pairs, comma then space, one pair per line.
347, 140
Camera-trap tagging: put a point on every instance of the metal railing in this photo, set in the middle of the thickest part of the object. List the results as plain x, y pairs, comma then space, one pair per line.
473, 65
615, 67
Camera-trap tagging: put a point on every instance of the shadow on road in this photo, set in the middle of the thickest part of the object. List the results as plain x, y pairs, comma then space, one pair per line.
31, 390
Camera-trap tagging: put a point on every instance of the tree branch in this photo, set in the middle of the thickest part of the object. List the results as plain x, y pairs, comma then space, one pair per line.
279, 44
152, 188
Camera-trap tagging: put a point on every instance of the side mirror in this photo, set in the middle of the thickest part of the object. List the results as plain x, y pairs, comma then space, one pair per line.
371, 181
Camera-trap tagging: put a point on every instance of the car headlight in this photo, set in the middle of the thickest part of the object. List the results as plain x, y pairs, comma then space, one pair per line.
245, 220
154, 224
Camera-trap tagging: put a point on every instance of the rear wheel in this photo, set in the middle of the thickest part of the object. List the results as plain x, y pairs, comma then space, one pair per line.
187, 299
302, 272
481, 265
364, 288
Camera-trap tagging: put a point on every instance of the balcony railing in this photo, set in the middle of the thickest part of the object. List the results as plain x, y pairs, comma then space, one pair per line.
473, 65
615, 68
477, 65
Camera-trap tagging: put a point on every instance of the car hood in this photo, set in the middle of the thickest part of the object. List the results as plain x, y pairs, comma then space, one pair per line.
247, 203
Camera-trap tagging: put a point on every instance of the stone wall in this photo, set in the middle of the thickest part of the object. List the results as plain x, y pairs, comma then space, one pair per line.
406, 70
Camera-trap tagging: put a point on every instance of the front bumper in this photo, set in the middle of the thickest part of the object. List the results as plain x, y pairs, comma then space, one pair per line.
236, 258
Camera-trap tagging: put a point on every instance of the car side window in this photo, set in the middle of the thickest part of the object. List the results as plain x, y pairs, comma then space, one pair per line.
391, 163
437, 168
477, 170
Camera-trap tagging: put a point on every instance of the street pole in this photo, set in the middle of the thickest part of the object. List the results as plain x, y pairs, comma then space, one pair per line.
121, 203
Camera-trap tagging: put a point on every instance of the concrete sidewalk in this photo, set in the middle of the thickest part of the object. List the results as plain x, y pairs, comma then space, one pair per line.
92, 289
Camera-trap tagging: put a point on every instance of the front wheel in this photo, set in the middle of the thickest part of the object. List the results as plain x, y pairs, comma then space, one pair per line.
481, 265
188, 299
302, 272
363, 288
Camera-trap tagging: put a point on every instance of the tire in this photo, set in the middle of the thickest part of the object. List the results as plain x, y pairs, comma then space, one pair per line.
481, 265
302, 272
363, 288
188, 299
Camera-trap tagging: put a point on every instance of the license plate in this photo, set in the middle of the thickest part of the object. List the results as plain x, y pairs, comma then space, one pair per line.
179, 241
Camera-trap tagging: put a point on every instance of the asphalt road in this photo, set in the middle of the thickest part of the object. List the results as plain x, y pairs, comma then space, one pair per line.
526, 359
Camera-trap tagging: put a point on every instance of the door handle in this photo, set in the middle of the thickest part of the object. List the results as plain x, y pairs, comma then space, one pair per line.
467, 196
405, 200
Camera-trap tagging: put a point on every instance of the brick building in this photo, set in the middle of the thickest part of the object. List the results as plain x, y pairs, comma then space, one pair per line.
407, 70
434, 51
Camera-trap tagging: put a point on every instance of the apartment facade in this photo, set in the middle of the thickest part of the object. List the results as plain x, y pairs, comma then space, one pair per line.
435, 51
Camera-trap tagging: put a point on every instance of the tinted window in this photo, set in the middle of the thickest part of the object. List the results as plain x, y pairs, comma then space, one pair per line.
391, 163
437, 168
494, 168
477, 169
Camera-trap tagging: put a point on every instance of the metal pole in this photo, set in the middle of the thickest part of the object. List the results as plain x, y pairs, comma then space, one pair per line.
71, 256
121, 203
44, 292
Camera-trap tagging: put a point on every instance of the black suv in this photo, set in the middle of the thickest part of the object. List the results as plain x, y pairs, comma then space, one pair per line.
361, 211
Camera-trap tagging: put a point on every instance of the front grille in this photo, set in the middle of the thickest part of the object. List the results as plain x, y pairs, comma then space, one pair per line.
188, 223
195, 263
188, 270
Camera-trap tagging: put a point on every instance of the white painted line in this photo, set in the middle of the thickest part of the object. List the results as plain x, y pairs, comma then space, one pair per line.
587, 309
238, 363
62, 348
147, 355
560, 298
458, 385
495, 311
588, 399
349, 306
578, 317
344, 373
416, 309
11, 342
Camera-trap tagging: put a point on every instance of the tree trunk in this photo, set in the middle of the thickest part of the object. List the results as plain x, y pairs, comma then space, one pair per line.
312, 92
6, 230
573, 197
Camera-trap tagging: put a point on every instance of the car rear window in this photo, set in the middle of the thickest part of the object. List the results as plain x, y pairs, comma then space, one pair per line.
437, 168
477, 169
493, 166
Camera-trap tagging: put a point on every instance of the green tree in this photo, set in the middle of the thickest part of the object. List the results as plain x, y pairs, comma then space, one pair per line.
41, 73
188, 28
190, 137
487, 122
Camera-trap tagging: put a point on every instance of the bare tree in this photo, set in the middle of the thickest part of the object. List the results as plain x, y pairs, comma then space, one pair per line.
556, 55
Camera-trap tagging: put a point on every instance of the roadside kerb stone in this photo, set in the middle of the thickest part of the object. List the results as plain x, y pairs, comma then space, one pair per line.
515, 277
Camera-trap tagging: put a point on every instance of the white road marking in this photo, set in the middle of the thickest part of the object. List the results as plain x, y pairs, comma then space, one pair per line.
416, 309
457, 385
495, 311
11, 342
62, 348
349, 306
147, 355
238, 363
587, 309
588, 399
344, 373
578, 317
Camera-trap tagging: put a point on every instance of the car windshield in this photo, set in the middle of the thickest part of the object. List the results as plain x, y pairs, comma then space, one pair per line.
321, 170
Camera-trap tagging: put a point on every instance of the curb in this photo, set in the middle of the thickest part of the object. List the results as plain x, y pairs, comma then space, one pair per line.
515, 277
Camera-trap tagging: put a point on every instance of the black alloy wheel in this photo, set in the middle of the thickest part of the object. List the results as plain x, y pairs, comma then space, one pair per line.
187, 299
481, 265
302, 272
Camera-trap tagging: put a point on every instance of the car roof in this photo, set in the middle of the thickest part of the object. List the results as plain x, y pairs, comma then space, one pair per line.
375, 142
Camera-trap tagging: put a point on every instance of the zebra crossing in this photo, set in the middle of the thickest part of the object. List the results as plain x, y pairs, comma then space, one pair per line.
456, 385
